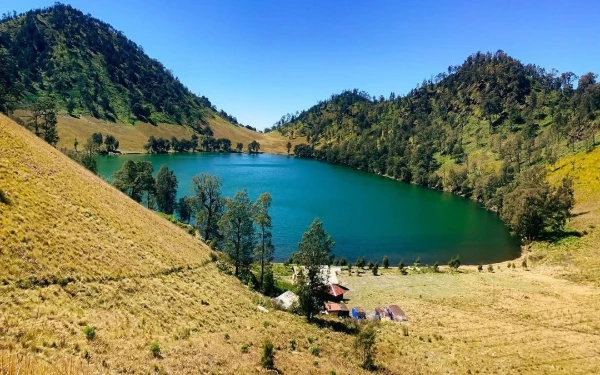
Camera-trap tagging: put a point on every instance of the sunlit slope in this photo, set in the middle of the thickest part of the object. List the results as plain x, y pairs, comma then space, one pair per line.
582, 249
75, 252
132, 138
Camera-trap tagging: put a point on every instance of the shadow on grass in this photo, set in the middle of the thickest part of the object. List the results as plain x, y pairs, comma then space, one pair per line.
3, 198
337, 326
554, 237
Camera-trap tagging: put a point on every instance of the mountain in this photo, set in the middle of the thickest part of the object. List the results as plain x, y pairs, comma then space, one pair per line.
470, 131
98, 77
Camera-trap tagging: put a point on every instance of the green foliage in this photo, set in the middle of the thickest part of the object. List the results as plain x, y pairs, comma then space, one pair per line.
288, 146
267, 359
166, 190
253, 147
134, 179
155, 350
4, 198
237, 229
303, 151
244, 348
313, 251
454, 263
385, 262
436, 267
89, 67
365, 346
184, 209
43, 120
480, 267
208, 204
490, 268
531, 206
360, 262
314, 350
401, 265
264, 250
90, 333
375, 269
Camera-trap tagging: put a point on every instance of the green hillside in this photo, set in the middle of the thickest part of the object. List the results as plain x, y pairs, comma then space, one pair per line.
88, 67
472, 130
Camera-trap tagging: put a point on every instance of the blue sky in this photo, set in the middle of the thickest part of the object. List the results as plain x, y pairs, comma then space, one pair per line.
261, 59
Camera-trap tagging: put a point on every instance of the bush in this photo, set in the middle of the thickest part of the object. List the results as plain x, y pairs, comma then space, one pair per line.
155, 350
360, 262
385, 262
314, 350
267, 360
3, 198
436, 267
401, 265
454, 262
371, 264
293, 344
244, 348
480, 267
374, 269
343, 262
491, 268
213, 257
90, 333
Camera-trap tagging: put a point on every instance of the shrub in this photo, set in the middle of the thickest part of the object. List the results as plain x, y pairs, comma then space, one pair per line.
436, 267
155, 350
314, 350
371, 264
480, 267
401, 265
385, 262
90, 333
213, 257
513, 266
375, 269
3, 197
267, 360
454, 262
244, 348
343, 262
405, 331
293, 344
491, 268
524, 264
360, 262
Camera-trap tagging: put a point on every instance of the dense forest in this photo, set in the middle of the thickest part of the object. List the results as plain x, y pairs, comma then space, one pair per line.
473, 130
87, 67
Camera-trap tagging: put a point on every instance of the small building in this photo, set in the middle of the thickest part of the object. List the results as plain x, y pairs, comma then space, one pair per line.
335, 292
359, 313
396, 314
286, 300
337, 309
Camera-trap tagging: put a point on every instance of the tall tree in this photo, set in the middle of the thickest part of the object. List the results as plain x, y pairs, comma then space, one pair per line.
184, 209
111, 143
166, 190
43, 120
313, 252
253, 147
134, 179
238, 231
208, 204
264, 250
288, 146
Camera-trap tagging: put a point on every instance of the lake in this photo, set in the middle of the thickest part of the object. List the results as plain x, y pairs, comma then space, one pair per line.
365, 214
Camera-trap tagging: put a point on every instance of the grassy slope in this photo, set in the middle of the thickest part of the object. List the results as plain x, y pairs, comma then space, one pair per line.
133, 137
61, 220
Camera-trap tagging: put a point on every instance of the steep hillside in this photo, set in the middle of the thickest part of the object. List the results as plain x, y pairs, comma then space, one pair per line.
97, 78
75, 252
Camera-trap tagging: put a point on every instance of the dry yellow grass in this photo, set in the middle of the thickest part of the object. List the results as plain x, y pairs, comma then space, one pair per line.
505, 322
132, 138
114, 265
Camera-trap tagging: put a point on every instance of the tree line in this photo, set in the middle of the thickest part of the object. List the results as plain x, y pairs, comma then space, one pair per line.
205, 143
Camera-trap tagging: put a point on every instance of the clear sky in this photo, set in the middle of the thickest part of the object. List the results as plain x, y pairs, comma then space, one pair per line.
259, 60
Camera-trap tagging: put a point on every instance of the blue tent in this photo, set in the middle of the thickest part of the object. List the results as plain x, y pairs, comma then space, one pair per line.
358, 313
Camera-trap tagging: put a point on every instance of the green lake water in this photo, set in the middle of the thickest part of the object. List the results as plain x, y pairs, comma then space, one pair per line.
367, 215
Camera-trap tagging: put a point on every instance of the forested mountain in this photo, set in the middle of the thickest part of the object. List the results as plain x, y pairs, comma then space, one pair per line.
470, 130
87, 67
